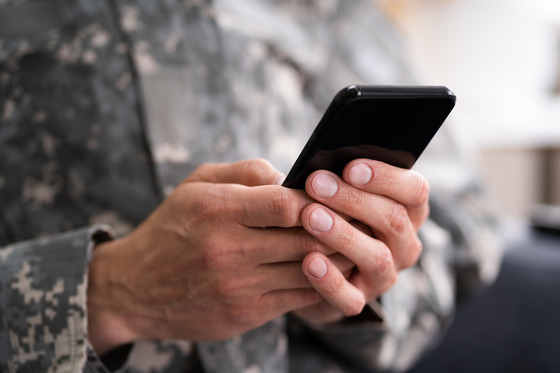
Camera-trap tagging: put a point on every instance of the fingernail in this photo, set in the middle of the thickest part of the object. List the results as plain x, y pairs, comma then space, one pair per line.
324, 185
317, 268
320, 220
360, 174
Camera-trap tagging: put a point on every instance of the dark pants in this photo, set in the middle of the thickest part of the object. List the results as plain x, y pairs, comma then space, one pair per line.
514, 326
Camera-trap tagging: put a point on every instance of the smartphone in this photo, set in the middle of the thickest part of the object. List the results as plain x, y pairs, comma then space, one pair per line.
392, 124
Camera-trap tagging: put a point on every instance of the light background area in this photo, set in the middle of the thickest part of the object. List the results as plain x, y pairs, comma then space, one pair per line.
502, 59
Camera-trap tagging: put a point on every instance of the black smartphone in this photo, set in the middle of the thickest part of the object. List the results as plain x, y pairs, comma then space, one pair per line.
392, 124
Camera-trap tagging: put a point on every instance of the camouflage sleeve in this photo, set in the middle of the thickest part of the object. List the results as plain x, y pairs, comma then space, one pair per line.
43, 320
474, 227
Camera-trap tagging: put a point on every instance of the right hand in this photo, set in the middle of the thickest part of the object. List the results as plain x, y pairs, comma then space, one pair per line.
204, 266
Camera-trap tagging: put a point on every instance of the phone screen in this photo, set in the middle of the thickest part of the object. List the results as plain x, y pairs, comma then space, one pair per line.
392, 124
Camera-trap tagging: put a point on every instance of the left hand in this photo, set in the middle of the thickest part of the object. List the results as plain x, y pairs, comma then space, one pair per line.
371, 217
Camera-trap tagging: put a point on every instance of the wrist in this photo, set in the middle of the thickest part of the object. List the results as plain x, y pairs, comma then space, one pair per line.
107, 326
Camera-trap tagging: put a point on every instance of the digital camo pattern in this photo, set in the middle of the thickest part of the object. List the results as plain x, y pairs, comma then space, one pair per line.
70, 126
42, 293
106, 105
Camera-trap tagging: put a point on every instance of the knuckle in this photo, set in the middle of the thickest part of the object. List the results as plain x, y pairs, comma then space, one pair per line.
384, 262
254, 169
238, 309
411, 255
383, 271
423, 217
390, 280
397, 218
414, 252
216, 254
387, 274
213, 260
241, 315
224, 290
354, 308
257, 164
285, 207
421, 190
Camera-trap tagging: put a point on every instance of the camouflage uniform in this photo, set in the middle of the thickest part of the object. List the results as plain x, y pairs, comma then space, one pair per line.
106, 105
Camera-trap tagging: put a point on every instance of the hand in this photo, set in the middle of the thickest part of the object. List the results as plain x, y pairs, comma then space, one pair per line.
203, 266
371, 216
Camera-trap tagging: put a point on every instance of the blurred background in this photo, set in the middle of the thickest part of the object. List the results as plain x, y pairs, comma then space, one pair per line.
502, 59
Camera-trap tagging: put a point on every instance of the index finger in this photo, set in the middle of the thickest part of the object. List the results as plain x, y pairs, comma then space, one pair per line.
407, 187
268, 206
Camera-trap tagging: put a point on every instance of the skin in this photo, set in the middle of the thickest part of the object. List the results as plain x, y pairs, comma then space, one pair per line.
230, 250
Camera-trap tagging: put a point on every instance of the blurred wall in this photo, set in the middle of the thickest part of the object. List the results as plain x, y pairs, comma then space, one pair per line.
502, 59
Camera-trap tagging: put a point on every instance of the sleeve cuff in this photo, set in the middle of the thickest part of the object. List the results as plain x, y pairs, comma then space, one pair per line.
113, 362
43, 283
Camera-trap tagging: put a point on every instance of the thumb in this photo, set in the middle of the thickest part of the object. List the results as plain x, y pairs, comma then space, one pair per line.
251, 172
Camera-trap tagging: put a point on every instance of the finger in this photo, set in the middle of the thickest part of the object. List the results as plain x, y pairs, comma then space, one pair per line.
279, 276
407, 187
278, 245
320, 313
288, 275
391, 224
267, 206
276, 303
259, 206
388, 219
250, 172
371, 256
275, 245
328, 281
